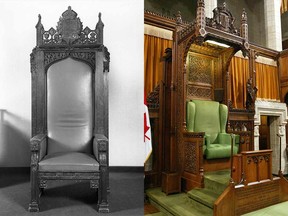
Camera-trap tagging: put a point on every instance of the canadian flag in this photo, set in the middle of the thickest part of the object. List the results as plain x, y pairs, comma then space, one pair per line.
147, 132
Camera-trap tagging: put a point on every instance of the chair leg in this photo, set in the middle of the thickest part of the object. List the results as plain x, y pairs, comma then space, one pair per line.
103, 205
42, 186
34, 204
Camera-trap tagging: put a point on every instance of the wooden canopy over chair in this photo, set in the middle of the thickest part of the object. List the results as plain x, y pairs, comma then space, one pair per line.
199, 70
69, 68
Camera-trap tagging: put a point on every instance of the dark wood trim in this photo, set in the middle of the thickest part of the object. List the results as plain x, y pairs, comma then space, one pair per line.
158, 20
135, 169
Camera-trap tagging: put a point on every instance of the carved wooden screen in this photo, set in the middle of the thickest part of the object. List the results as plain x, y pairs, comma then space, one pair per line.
200, 76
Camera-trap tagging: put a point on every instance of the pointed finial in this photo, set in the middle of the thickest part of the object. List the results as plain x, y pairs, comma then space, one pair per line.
99, 24
244, 16
39, 24
69, 7
224, 4
178, 18
201, 3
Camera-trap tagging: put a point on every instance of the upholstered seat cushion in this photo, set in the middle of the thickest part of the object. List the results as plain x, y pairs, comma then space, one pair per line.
69, 162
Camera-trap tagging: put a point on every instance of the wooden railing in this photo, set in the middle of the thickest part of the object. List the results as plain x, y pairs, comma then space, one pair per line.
252, 166
257, 188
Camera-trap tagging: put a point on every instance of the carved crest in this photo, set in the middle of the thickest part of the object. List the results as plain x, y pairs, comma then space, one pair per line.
222, 20
69, 31
69, 26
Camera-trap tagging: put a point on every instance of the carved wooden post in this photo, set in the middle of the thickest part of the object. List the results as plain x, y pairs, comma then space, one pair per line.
244, 25
34, 203
201, 18
103, 166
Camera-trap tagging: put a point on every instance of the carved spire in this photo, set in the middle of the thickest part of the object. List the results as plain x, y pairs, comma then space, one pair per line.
39, 30
39, 24
100, 26
178, 18
201, 17
244, 25
201, 3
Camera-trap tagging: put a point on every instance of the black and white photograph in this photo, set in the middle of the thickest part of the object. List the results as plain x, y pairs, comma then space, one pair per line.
71, 107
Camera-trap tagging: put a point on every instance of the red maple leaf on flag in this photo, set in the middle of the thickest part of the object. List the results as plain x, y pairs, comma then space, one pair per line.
146, 127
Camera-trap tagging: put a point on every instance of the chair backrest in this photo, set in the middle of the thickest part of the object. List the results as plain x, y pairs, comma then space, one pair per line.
207, 116
69, 69
70, 109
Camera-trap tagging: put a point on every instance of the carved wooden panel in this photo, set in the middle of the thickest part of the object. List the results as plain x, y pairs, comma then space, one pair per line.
190, 158
195, 91
255, 197
51, 57
153, 98
200, 76
199, 69
257, 166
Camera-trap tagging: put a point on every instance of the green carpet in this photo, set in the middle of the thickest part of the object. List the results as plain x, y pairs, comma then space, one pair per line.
199, 201
177, 204
280, 209
215, 183
217, 180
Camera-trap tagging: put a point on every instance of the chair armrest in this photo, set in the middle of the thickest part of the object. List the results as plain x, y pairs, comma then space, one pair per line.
100, 149
225, 138
207, 140
38, 144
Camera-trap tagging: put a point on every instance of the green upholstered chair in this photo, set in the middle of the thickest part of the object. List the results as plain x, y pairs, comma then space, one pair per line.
211, 117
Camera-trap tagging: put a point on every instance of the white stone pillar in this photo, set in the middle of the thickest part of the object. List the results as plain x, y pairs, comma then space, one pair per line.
256, 137
273, 24
210, 5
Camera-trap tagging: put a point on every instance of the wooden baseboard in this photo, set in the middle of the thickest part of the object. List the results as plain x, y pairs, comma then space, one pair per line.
15, 170
126, 169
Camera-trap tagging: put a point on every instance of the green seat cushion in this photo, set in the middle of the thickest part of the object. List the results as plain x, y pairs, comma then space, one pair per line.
220, 151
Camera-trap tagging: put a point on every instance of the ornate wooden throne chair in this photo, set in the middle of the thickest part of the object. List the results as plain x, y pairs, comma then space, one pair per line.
211, 117
69, 68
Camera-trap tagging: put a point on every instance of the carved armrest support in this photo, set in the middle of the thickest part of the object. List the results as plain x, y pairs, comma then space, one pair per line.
193, 134
38, 145
193, 152
100, 149
198, 137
